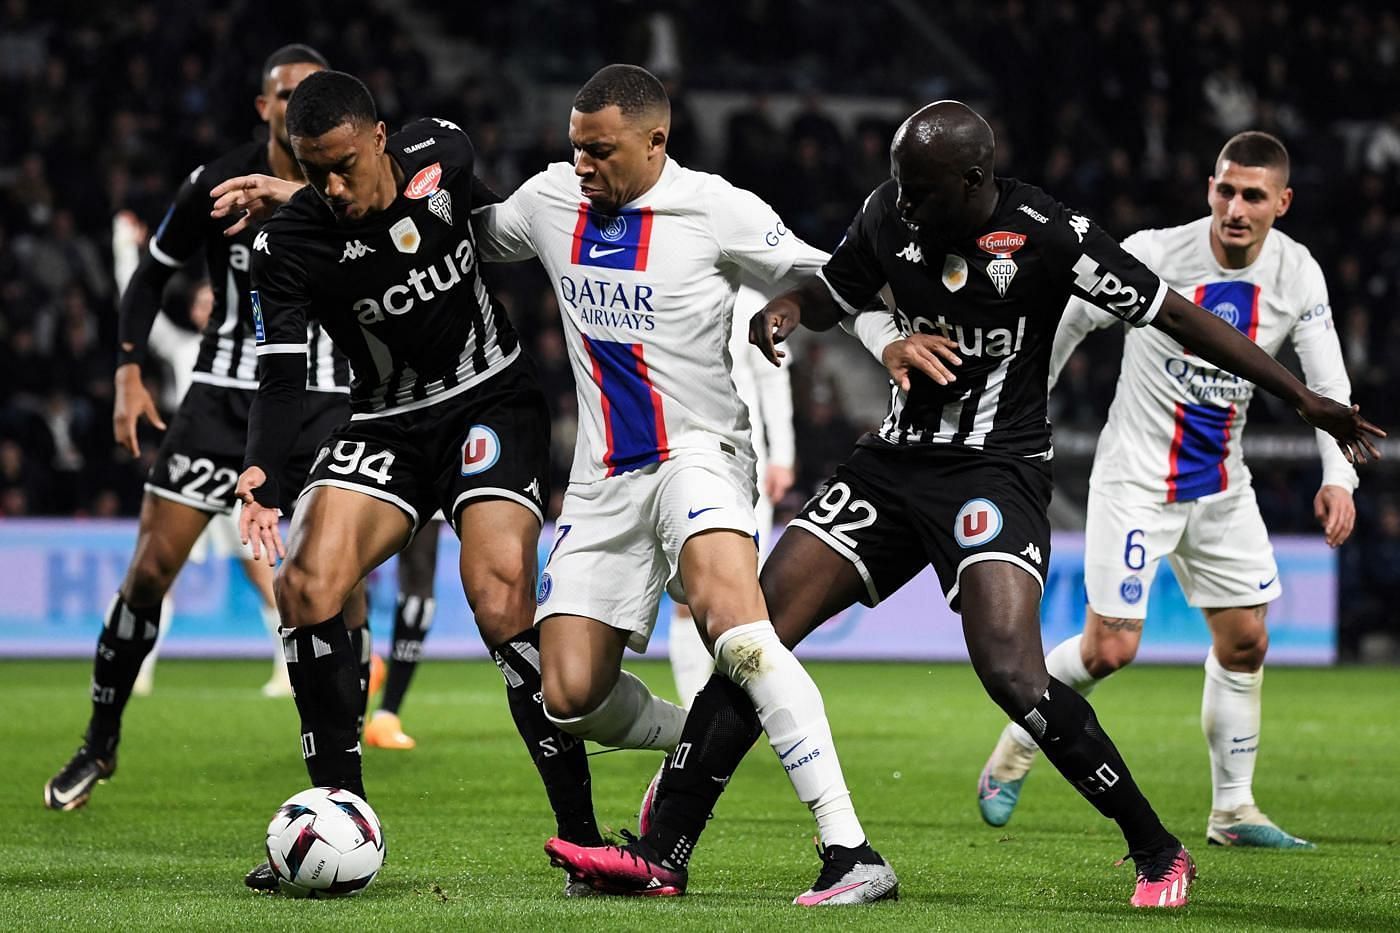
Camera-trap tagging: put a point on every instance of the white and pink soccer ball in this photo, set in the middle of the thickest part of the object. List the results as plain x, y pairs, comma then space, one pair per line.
325, 842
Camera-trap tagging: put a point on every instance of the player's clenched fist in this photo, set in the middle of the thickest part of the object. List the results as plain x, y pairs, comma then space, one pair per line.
772, 324
257, 524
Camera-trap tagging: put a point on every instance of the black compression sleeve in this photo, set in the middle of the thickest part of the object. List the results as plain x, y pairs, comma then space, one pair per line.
138, 309
275, 420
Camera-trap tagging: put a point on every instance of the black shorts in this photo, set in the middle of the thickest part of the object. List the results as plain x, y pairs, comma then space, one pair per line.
489, 442
891, 511
202, 453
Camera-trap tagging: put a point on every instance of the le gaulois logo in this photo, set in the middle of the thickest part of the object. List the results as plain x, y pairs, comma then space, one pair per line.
426, 182
1001, 242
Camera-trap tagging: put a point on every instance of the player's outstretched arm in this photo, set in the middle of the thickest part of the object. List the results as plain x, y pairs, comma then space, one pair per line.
251, 198
1214, 340
809, 304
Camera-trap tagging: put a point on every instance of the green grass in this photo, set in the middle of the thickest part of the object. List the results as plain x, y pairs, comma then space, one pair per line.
205, 760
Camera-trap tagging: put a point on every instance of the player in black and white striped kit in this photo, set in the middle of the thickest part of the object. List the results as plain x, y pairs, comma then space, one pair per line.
958, 476
446, 414
193, 476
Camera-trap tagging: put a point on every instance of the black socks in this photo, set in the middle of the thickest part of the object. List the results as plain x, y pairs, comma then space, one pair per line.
324, 670
127, 637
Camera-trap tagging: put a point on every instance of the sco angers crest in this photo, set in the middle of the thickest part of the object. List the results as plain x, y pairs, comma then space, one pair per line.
977, 522
480, 450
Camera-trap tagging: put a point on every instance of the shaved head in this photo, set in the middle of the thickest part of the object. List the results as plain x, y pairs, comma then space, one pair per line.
942, 159
947, 133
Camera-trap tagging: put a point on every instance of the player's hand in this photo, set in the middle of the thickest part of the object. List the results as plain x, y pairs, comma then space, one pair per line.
777, 480
250, 198
257, 525
1352, 432
927, 353
132, 403
1336, 513
771, 326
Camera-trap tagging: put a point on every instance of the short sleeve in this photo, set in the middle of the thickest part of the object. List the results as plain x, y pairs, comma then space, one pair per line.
181, 232
280, 299
502, 228
853, 274
1102, 272
753, 237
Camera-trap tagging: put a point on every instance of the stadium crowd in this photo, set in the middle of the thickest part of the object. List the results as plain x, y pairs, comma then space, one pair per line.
1117, 107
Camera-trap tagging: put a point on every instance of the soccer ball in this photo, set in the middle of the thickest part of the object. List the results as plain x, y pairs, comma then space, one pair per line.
324, 842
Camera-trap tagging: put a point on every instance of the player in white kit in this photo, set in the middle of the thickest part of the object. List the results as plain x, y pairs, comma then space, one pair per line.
645, 257
1169, 479
766, 390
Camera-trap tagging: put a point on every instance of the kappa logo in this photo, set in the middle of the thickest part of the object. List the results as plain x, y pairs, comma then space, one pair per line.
260, 244
480, 450
178, 466
1080, 225
533, 490
1032, 552
354, 249
447, 124
912, 253
977, 522
425, 182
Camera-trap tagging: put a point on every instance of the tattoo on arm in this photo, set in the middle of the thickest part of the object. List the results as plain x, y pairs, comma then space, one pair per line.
1122, 625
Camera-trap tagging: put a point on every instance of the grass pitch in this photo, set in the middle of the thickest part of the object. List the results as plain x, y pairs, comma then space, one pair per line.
205, 760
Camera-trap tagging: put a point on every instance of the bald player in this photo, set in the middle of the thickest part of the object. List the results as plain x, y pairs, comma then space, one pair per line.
958, 475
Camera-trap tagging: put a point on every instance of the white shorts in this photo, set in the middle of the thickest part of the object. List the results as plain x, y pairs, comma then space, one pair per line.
1218, 548
617, 542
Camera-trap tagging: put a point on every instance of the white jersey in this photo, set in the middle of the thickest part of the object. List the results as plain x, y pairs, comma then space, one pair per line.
647, 295
1176, 422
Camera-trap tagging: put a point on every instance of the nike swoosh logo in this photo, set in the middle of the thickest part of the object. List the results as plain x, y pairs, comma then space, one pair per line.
698, 512
1245, 739
62, 798
1266, 583
783, 755
595, 253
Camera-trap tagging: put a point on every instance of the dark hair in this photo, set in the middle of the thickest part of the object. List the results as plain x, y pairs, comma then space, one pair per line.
632, 90
1258, 149
325, 100
294, 54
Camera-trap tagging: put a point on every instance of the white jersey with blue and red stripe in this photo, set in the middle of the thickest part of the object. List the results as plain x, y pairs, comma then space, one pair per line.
1176, 421
646, 295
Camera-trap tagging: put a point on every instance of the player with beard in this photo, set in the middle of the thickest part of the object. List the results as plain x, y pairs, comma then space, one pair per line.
958, 475
192, 479
1170, 480
446, 414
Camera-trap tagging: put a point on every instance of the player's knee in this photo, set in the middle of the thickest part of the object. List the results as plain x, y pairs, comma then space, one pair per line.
1106, 655
150, 576
1243, 649
1012, 688
569, 696
501, 604
305, 597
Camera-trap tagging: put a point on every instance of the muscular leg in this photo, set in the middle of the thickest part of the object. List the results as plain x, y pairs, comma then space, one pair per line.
1079, 662
1001, 623
805, 583
338, 536
1232, 700
499, 545
413, 614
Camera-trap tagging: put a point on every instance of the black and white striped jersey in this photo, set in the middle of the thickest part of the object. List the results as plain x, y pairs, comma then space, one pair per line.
226, 352
1000, 294
399, 291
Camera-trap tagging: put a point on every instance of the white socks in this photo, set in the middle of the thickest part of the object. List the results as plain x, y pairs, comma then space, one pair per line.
629, 717
1230, 711
792, 713
1066, 664
691, 662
